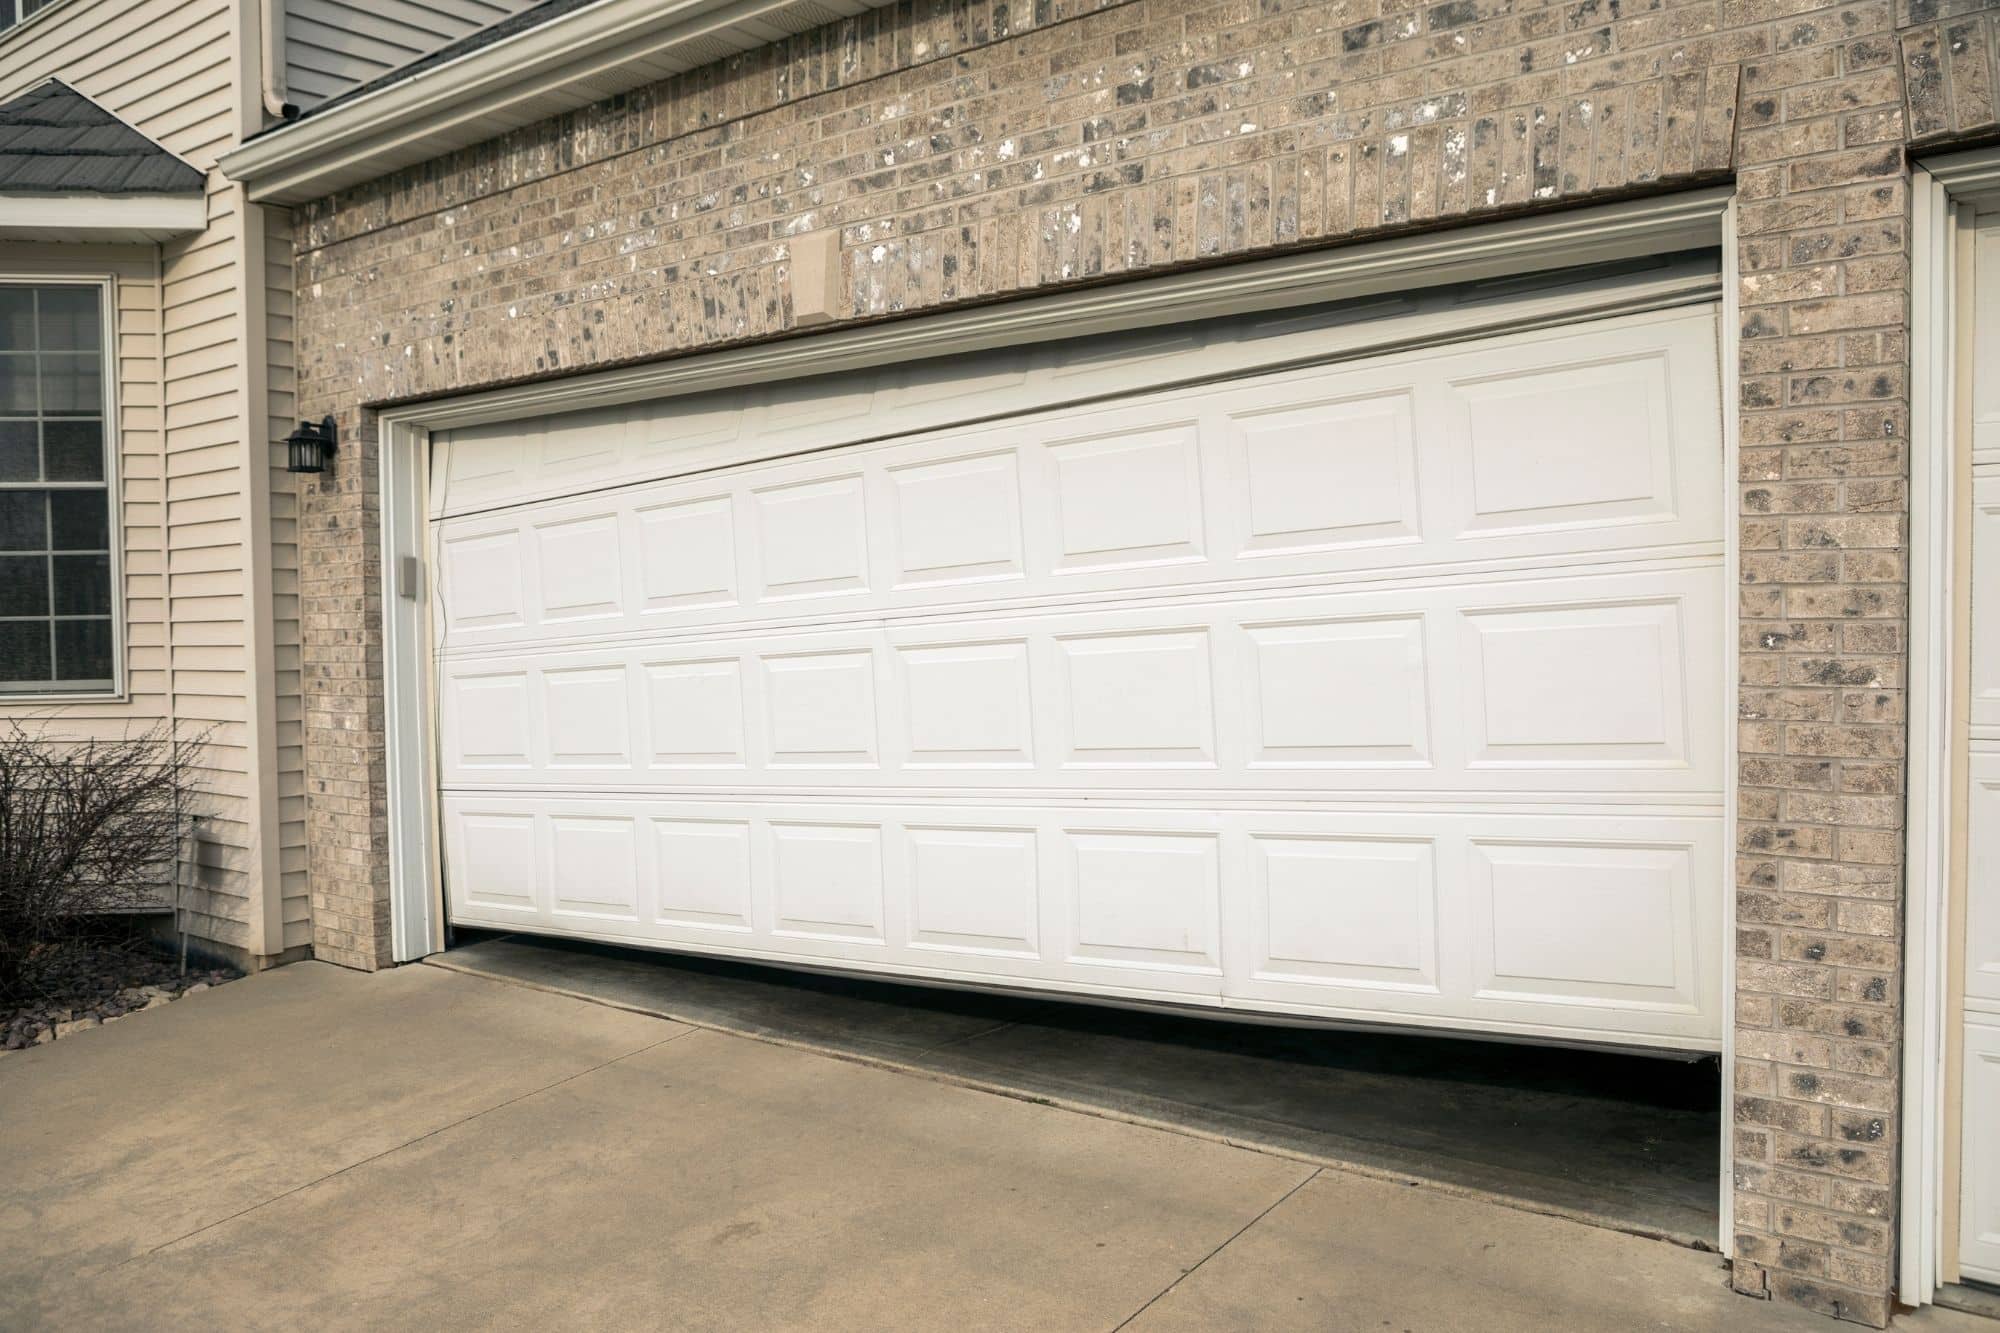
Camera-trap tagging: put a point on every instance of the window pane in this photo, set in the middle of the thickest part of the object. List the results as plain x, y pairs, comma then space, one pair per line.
17, 305
24, 521
83, 651
17, 384
74, 449
70, 383
24, 585
24, 650
69, 319
78, 521
20, 458
83, 585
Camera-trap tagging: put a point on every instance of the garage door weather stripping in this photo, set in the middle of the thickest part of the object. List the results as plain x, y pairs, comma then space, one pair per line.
1383, 690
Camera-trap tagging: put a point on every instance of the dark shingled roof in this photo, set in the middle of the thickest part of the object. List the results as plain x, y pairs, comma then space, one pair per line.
54, 140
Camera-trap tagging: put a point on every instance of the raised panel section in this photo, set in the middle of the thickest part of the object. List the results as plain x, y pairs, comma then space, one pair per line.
1983, 684
827, 880
687, 555
959, 520
1131, 498
496, 861
974, 890
1139, 699
1341, 692
1577, 686
588, 726
484, 587
1326, 475
1585, 923
1979, 1212
594, 866
582, 577
1982, 906
488, 721
967, 704
702, 872
1145, 900
696, 710
822, 709
1569, 446
1345, 911
812, 538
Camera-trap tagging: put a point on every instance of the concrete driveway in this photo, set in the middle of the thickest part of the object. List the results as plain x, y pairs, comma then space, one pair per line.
316, 1147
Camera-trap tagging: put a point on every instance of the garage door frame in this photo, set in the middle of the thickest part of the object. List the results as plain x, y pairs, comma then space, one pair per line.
1685, 221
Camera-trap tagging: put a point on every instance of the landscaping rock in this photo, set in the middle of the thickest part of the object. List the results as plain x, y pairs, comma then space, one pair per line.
81, 985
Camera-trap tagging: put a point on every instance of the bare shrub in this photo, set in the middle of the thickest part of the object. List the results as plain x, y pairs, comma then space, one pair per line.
87, 828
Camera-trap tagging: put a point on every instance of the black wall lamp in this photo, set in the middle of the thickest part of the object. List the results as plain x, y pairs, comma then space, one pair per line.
311, 446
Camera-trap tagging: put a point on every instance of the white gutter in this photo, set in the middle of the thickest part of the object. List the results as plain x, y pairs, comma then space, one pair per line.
581, 57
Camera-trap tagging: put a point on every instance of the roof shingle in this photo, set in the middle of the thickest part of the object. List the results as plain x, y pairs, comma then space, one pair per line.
54, 140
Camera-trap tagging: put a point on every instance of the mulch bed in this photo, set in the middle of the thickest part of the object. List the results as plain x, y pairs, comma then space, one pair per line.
84, 984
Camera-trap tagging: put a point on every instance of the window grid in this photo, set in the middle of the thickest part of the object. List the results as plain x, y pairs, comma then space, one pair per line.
57, 625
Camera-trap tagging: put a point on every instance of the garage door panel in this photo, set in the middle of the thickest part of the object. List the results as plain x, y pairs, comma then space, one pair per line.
1566, 923
1384, 690
1347, 473
1579, 682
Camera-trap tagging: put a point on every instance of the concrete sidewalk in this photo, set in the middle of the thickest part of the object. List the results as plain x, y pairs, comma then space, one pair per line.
315, 1147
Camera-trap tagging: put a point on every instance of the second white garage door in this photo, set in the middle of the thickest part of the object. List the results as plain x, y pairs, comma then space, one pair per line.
1387, 690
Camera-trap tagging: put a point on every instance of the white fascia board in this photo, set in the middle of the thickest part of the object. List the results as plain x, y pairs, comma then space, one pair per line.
468, 99
100, 217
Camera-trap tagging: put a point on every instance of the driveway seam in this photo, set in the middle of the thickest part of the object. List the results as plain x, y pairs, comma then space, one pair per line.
396, 1148
1234, 1237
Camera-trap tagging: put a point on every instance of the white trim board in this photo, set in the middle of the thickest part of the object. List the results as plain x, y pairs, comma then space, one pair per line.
1694, 220
142, 218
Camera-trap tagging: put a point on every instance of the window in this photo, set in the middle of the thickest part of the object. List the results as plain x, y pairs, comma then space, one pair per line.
56, 634
16, 11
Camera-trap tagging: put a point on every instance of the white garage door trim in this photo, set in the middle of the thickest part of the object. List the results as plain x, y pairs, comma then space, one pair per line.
1947, 192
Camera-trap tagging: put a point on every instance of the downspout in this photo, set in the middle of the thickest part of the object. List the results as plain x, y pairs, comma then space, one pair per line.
271, 25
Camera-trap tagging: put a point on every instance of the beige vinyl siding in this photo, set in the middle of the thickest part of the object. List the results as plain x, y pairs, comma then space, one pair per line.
333, 45
209, 525
207, 612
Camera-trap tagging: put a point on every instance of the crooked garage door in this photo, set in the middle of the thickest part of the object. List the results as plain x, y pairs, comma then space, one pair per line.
1385, 690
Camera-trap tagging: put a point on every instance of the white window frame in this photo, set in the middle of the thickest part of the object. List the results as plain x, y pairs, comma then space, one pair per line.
15, 701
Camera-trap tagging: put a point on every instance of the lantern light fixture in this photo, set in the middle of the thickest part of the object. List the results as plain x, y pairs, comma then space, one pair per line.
310, 447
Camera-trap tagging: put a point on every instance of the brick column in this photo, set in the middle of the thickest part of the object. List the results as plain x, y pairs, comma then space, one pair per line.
340, 614
1823, 248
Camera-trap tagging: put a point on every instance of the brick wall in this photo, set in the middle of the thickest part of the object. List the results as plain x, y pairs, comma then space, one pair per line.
969, 151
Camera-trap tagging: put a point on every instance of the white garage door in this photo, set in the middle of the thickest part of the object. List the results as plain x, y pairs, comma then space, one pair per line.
1386, 690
